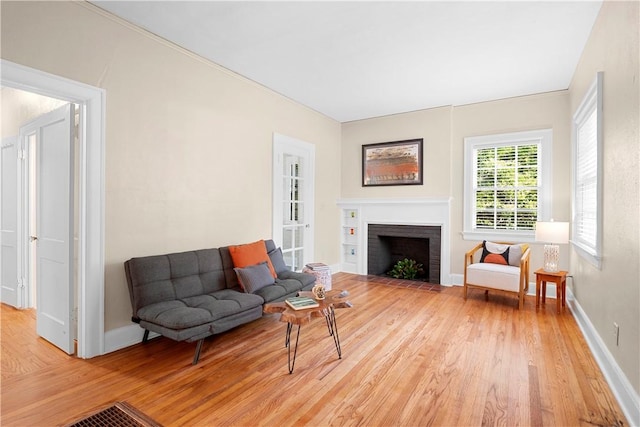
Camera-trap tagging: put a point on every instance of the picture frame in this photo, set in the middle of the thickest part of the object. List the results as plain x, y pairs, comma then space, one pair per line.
392, 163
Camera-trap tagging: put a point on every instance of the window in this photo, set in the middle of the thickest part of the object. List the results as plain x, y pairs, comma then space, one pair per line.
587, 143
507, 180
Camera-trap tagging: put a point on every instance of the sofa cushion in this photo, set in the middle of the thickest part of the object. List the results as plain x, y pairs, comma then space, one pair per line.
279, 290
154, 279
174, 314
254, 277
199, 309
307, 280
504, 277
251, 254
277, 260
224, 303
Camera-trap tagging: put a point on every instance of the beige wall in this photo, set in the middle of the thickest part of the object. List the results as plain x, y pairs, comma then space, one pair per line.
612, 293
433, 126
188, 144
443, 130
19, 107
543, 111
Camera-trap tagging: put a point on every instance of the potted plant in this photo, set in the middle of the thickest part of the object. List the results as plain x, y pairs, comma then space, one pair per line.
406, 269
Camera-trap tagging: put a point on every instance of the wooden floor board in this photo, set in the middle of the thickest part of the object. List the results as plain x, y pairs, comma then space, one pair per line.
410, 356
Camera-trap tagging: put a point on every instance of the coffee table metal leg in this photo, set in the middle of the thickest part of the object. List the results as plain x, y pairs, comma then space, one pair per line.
332, 325
291, 361
325, 312
287, 335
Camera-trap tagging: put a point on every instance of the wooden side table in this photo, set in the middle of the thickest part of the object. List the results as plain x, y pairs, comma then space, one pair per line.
559, 278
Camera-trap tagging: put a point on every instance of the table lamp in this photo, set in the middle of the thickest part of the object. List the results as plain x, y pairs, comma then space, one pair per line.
552, 233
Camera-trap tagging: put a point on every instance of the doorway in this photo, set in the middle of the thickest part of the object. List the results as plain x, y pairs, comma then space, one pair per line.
293, 199
39, 211
90, 240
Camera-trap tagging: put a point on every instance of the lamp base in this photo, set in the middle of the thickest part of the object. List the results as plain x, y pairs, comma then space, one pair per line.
551, 258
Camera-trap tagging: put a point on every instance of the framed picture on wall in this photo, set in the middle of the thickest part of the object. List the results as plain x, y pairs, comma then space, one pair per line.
392, 163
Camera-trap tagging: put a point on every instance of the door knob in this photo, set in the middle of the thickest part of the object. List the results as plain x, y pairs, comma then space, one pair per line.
33, 238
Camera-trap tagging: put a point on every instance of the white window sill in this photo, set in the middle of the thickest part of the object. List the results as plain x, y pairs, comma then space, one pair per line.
500, 236
588, 254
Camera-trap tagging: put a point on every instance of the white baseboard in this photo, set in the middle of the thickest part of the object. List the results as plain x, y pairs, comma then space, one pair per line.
117, 339
622, 389
456, 279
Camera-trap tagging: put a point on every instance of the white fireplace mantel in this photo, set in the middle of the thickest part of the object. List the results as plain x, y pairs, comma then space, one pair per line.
418, 211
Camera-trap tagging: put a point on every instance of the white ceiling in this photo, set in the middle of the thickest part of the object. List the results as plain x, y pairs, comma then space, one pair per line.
356, 60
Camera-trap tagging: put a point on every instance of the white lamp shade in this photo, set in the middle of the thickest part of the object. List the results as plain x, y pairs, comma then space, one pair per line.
552, 232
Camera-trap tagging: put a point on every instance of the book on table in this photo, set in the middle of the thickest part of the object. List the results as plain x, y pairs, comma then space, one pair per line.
300, 303
317, 266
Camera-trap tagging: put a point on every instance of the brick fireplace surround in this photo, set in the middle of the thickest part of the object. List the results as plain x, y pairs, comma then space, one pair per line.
423, 212
386, 244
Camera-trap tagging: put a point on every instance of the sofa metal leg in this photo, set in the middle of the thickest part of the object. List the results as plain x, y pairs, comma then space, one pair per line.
145, 337
198, 348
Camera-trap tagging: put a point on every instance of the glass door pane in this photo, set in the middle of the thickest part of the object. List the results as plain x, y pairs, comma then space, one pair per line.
293, 221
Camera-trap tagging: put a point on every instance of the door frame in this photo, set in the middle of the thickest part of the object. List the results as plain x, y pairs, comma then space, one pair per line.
92, 105
17, 294
285, 144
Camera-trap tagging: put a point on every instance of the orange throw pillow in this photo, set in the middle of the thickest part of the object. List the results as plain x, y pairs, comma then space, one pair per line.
495, 253
251, 254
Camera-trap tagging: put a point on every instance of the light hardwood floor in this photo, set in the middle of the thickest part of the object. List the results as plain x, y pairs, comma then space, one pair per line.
411, 357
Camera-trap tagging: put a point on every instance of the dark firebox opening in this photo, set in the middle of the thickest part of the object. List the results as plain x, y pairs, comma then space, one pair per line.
395, 249
389, 243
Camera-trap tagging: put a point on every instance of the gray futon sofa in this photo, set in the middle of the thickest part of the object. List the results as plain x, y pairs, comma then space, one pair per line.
189, 296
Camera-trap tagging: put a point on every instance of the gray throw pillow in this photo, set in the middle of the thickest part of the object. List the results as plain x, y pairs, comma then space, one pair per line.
254, 277
277, 260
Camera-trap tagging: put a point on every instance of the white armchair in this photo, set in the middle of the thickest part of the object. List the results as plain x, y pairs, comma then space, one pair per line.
501, 266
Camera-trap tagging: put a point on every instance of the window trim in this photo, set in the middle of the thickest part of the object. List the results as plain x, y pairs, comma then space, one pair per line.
545, 138
591, 102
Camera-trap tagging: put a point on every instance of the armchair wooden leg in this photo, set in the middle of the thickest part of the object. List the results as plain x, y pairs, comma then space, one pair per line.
520, 301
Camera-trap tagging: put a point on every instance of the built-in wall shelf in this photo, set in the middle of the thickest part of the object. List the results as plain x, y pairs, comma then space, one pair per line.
350, 239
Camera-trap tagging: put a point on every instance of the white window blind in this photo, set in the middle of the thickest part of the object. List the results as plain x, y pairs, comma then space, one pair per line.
507, 183
587, 172
506, 187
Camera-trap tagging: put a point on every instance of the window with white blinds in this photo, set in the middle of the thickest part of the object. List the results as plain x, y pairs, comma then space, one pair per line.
506, 184
587, 174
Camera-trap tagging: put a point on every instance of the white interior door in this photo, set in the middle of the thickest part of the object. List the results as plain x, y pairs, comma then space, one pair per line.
54, 230
293, 196
12, 288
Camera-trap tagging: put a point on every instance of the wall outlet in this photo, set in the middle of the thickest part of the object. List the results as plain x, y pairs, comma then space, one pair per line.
616, 332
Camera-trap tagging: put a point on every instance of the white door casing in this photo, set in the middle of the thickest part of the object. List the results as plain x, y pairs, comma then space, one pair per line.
12, 292
293, 199
92, 102
54, 135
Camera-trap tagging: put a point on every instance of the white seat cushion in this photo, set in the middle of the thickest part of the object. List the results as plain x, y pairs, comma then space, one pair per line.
497, 276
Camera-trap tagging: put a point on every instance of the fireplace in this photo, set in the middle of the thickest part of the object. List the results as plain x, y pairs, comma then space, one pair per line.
423, 216
387, 243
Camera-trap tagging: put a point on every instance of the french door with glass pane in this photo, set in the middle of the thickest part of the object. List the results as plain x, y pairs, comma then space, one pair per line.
293, 172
